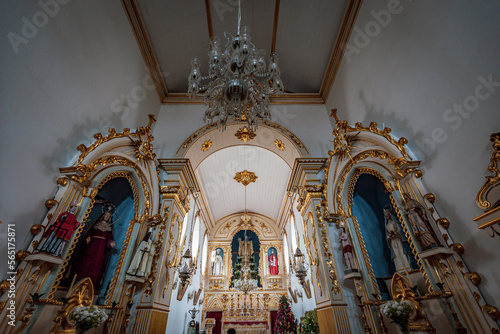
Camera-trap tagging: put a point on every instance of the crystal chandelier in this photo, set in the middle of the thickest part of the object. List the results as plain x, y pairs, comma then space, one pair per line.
238, 83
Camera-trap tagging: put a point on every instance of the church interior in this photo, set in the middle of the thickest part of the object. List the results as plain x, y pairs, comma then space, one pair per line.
253, 167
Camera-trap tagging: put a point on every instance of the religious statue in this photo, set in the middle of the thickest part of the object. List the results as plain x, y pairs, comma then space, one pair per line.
346, 249
217, 262
60, 232
91, 257
419, 223
273, 262
143, 258
395, 242
245, 249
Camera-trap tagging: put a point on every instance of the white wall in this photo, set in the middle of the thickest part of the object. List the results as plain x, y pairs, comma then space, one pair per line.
407, 74
58, 87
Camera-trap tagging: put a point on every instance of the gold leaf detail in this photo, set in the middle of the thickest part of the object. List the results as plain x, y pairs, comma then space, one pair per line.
206, 145
245, 177
279, 144
49, 204
473, 277
492, 311
245, 134
458, 248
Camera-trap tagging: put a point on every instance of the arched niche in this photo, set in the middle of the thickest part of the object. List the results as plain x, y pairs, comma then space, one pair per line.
125, 156
362, 150
263, 226
235, 244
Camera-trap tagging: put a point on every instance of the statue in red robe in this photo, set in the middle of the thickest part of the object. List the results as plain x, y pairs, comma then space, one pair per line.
60, 232
273, 263
91, 258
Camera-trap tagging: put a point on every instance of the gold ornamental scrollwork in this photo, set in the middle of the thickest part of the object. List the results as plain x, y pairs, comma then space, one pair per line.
50, 203
62, 181
245, 177
314, 260
492, 311
458, 248
100, 139
385, 132
326, 251
491, 181
245, 134
473, 277
21, 255
403, 166
35, 229
430, 197
445, 223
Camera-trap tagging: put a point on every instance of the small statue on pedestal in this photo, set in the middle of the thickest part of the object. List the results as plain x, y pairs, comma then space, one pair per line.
419, 223
60, 232
143, 258
346, 249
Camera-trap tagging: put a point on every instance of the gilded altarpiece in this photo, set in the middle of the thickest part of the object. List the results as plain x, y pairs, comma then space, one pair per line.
219, 296
127, 155
445, 293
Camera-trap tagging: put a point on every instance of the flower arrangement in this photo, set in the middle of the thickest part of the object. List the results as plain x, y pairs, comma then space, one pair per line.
285, 320
87, 317
399, 312
309, 324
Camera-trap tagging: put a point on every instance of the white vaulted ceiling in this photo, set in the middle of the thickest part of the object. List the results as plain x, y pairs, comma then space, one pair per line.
225, 196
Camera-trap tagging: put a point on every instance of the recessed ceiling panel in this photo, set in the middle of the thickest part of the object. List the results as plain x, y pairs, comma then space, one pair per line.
178, 32
258, 15
306, 35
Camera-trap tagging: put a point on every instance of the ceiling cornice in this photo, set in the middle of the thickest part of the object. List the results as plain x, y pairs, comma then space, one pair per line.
145, 45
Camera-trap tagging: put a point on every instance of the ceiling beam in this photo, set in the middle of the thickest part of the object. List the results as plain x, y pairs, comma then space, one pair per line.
275, 25
209, 19
350, 15
137, 23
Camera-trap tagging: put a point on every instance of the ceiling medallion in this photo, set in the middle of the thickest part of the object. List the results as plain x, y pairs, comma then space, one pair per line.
245, 177
206, 145
279, 144
245, 134
238, 82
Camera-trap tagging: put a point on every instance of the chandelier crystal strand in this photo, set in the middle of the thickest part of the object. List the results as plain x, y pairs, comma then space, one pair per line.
239, 83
